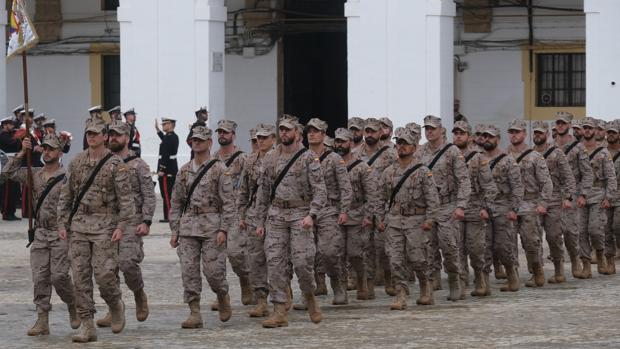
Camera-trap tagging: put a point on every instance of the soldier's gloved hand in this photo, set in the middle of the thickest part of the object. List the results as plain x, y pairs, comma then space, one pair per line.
117, 235
459, 214
307, 222
143, 230
260, 232
242, 224
174, 241
343, 218
581, 201
541, 210
62, 234
484, 214
221, 238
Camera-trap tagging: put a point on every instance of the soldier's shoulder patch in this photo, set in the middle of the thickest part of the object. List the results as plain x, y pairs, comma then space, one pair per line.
316, 159
227, 173
342, 162
461, 157
485, 162
430, 174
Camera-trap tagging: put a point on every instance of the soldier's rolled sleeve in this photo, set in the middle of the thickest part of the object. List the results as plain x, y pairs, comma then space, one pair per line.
544, 179
122, 188
461, 174
344, 184
317, 183
226, 194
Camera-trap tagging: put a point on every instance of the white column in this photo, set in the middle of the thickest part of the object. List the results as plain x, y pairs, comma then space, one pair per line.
602, 52
167, 64
3, 85
400, 59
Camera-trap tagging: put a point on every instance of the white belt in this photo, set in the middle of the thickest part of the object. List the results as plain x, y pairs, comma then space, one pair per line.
10, 154
171, 157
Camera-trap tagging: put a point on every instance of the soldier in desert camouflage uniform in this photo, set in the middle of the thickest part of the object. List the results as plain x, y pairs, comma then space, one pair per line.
612, 232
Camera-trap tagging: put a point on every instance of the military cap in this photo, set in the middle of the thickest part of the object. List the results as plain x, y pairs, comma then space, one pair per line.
30, 111
96, 108
564, 116
165, 120
18, 108
372, 124
265, 130
492, 130
318, 124
328, 141
130, 111
53, 141
479, 128
356, 122
462, 125
119, 127
288, 121
201, 109
517, 124
588, 121
613, 126
540, 126
201, 132
39, 117
600, 124
253, 133
408, 136
49, 122
432, 121
417, 129
6, 120
95, 125
576, 124
398, 131
343, 134
226, 125
387, 122
116, 109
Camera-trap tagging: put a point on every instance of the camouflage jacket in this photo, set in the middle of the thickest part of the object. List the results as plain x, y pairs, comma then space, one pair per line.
142, 190
235, 168
507, 177
483, 188
387, 158
537, 184
364, 183
579, 163
564, 185
337, 184
248, 188
616, 201
604, 185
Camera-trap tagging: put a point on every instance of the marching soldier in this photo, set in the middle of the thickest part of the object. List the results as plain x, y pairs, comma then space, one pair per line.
387, 127
202, 213
64, 136
49, 259
452, 178
94, 112
130, 251
356, 126
612, 233
364, 183
248, 220
564, 187
507, 177
167, 167
594, 217
290, 196
582, 171
94, 208
410, 197
234, 159
474, 230
134, 134
538, 187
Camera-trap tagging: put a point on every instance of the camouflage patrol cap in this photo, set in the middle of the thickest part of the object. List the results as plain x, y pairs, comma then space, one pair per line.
288, 121
387, 122
398, 131
122, 128
564, 116
600, 124
588, 121
95, 125
356, 123
491, 130
372, 124
328, 141
576, 124
518, 125
479, 128
540, 126
463, 126
317, 123
226, 125
408, 136
343, 134
253, 133
432, 121
613, 126
52, 141
414, 127
265, 130
202, 132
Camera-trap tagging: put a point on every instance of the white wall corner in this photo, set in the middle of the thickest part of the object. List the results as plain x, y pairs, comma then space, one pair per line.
124, 12
593, 6
352, 8
440, 8
210, 13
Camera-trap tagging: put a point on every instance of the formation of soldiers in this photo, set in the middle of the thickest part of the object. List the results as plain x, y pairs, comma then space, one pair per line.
357, 208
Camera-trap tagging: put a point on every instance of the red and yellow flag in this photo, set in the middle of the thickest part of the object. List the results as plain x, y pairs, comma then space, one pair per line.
22, 34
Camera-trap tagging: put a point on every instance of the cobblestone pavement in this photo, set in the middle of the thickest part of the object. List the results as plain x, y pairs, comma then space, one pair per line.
576, 314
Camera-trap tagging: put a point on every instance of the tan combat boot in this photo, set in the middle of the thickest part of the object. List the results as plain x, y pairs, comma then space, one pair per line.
142, 307
74, 320
247, 296
195, 319
539, 275
611, 265
558, 276
105, 321
479, 284
593, 258
340, 294
487, 284
313, 309
118, 316
321, 286
575, 265
261, 309
455, 287
500, 273
278, 318
400, 301
302, 305
224, 307
88, 332
389, 287
370, 282
362, 287
586, 271
426, 292
436, 280
601, 266
41, 327
512, 284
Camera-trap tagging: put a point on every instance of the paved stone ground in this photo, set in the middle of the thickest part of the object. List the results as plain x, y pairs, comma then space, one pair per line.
576, 314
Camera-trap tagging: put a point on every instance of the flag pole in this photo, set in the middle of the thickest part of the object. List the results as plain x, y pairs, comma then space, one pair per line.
29, 152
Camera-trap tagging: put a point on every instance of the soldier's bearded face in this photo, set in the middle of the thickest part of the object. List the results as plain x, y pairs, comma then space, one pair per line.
562, 127
600, 135
460, 138
490, 142
479, 140
404, 149
117, 142
224, 137
516, 137
588, 133
386, 132
358, 135
51, 155
577, 132
371, 136
342, 147
287, 136
540, 138
315, 136
612, 137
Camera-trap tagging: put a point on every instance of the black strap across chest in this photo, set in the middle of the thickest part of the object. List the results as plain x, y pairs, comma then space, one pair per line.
401, 181
130, 158
523, 155
439, 155
45, 192
596, 151
196, 182
358, 161
570, 147
232, 158
377, 154
284, 171
616, 156
324, 155
87, 184
496, 161
549, 151
470, 156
